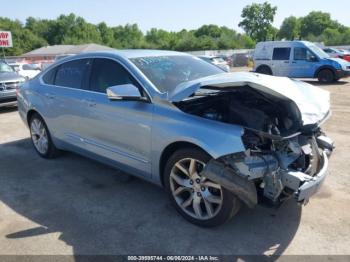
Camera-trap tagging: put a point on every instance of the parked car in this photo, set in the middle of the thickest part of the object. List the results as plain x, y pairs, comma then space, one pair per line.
227, 59
298, 59
28, 71
9, 82
213, 139
217, 61
337, 53
240, 59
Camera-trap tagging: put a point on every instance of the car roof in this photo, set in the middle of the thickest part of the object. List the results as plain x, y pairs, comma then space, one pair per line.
134, 53
125, 54
286, 42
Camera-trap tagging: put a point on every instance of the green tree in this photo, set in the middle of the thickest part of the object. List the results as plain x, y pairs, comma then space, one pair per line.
23, 39
186, 41
72, 29
128, 36
208, 30
161, 39
257, 20
290, 28
107, 35
315, 23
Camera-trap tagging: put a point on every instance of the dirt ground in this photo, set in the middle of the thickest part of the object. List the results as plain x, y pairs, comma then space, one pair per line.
73, 205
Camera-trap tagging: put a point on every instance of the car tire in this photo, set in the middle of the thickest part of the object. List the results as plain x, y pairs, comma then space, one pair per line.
326, 76
206, 203
41, 138
264, 70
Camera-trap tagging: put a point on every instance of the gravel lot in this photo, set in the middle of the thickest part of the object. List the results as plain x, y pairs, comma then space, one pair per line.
73, 205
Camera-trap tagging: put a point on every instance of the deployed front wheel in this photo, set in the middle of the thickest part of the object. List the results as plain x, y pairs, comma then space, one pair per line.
198, 199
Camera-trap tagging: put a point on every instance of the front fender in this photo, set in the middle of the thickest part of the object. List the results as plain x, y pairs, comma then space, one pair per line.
172, 125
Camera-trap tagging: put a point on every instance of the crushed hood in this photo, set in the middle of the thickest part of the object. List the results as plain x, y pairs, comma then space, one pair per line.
312, 102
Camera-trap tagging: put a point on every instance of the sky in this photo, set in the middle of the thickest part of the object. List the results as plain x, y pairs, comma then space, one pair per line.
165, 14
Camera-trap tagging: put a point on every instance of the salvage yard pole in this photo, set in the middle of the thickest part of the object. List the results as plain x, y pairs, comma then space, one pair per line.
3, 53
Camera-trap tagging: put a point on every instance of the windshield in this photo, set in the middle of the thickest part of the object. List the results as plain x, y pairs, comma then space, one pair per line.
318, 51
167, 72
5, 68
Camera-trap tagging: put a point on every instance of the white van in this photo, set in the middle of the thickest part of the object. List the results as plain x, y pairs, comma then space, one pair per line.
298, 59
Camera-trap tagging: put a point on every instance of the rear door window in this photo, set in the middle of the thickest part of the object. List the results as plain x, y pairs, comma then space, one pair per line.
49, 77
71, 74
281, 53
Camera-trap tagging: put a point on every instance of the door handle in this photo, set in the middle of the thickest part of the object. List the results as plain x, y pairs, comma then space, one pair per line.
294, 62
286, 62
89, 102
49, 96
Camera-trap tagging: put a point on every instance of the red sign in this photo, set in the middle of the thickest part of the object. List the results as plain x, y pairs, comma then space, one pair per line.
5, 39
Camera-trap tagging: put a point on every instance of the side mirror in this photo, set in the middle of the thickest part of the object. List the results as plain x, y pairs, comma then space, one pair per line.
124, 92
312, 59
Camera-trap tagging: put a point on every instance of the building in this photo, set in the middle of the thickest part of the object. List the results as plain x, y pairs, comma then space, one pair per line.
48, 54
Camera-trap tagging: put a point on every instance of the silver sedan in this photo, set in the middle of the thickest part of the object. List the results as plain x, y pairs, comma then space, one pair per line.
214, 140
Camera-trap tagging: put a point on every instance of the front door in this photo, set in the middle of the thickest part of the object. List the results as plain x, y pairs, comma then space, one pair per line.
116, 129
304, 63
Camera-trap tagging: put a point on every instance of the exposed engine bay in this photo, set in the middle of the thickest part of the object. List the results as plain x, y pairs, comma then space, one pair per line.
283, 158
246, 107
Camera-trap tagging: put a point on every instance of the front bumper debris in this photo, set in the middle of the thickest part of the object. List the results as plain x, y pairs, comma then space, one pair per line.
311, 185
242, 173
306, 186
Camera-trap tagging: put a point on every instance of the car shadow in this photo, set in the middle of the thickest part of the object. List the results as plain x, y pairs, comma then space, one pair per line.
317, 83
95, 213
8, 109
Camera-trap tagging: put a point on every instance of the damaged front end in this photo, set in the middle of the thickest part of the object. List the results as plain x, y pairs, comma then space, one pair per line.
275, 169
286, 152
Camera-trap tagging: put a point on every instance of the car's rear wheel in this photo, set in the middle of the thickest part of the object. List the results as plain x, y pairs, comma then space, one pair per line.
41, 138
198, 199
325, 76
264, 70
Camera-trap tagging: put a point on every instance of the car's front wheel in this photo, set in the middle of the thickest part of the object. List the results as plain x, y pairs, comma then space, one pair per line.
41, 138
325, 76
198, 199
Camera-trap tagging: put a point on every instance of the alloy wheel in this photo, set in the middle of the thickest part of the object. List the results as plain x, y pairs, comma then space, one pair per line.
39, 136
196, 195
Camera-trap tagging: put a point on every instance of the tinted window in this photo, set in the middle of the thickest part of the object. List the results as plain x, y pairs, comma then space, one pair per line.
71, 74
301, 53
49, 77
106, 73
281, 53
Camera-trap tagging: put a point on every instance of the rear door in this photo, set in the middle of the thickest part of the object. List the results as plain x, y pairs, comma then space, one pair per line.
281, 61
67, 100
